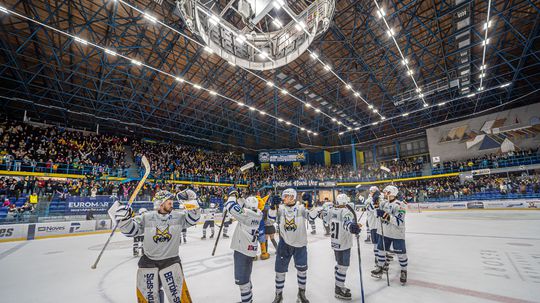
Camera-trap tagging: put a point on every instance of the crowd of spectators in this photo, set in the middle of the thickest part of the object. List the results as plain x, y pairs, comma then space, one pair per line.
452, 188
385, 170
25, 147
174, 161
494, 160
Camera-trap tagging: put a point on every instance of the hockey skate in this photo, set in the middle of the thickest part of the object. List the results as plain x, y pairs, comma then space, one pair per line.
313, 232
403, 277
202, 238
211, 236
278, 298
342, 293
225, 236
302, 296
377, 272
368, 240
185, 241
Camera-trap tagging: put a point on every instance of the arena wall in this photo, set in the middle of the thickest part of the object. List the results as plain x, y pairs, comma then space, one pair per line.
471, 138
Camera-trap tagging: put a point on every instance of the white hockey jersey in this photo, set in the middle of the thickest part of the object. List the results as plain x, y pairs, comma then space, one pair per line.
371, 213
291, 222
161, 232
395, 227
339, 219
210, 214
246, 233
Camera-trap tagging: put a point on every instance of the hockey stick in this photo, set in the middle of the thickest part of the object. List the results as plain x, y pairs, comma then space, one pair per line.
384, 248
131, 199
358, 250
241, 170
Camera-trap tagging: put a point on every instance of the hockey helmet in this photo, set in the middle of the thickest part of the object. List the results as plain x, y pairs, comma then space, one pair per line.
289, 192
142, 211
342, 199
391, 190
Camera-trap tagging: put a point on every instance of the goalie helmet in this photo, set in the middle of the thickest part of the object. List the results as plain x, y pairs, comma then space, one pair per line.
342, 199
289, 192
160, 197
391, 190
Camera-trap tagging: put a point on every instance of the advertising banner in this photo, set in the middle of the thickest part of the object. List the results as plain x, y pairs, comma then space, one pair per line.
304, 183
62, 228
82, 205
13, 232
282, 156
475, 204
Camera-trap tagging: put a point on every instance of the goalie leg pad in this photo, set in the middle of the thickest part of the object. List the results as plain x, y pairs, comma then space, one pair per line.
147, 285
174, 284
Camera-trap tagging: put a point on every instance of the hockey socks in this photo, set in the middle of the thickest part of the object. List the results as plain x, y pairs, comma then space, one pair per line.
340, 275
245, 293
302, 278
280, 282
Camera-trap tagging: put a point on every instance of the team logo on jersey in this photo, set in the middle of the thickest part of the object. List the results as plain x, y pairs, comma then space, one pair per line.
290, 225
162, 235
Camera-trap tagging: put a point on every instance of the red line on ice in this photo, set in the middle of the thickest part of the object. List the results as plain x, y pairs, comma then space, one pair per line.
467, 292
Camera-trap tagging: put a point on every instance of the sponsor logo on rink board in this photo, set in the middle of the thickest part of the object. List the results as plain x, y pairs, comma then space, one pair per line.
477, 205
16, 232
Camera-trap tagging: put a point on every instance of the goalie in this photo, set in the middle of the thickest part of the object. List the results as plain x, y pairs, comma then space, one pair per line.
160, 264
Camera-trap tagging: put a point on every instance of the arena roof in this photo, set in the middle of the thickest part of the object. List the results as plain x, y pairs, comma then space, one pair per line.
418, 63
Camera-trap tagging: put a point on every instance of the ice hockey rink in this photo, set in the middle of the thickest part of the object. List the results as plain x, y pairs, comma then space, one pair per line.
454, 256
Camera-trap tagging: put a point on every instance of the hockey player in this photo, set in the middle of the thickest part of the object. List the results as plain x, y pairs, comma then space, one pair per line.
210, 214
269, 228
325, 207
291, 219
138, 240
160, 265
392, 217
372, 204
244, 240
226, 225
342, 226
305, 197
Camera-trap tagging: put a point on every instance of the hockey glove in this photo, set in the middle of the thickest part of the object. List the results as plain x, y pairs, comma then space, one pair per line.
308, 199
232, 191
123, 213
354, 228
276, 200
382, 214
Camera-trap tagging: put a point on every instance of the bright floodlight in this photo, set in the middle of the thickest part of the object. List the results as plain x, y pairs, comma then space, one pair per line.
238, 30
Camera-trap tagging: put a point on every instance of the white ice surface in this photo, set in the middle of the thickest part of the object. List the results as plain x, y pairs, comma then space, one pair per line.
465, 256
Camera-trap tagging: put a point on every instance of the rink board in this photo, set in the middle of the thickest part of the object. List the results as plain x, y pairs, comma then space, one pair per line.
466, 257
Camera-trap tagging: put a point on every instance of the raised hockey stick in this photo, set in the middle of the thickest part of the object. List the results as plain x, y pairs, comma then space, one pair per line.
384, 248
131, 199
240, 171
358, 250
